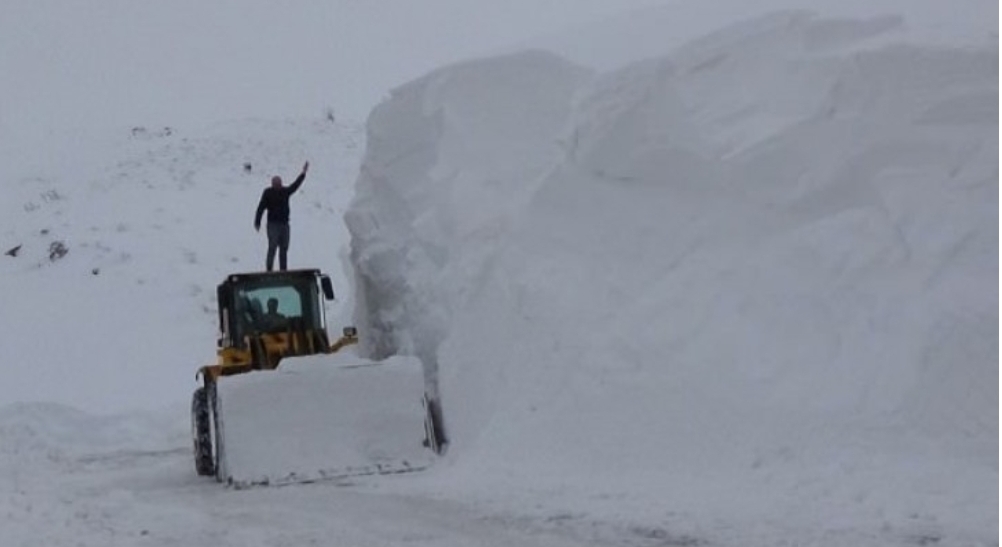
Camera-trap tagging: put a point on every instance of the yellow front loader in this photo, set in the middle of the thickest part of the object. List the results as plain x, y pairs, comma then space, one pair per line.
279, 406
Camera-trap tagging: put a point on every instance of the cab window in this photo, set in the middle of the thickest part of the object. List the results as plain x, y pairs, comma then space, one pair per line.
270, 308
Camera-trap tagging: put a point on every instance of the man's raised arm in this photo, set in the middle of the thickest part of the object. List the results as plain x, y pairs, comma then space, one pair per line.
299, 180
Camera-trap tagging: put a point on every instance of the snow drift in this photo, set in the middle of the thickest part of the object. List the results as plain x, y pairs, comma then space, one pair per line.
449, 161
758, 274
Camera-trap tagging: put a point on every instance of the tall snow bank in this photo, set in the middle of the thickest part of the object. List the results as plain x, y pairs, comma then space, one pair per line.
451, 158
759, 281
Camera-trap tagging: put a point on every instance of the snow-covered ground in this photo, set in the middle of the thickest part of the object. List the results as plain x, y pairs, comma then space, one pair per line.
700, 274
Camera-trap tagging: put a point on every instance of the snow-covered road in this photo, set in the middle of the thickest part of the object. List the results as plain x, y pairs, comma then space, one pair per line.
153, 498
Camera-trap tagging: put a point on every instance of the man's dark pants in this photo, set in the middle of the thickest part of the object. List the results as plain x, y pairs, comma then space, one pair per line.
278, 238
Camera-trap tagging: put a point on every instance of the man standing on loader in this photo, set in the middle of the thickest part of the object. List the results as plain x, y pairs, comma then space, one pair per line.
276, 200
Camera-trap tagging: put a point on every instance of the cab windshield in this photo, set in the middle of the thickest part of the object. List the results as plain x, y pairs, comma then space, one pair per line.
277, 305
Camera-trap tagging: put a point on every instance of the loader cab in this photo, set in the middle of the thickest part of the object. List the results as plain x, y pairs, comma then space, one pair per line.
271, 302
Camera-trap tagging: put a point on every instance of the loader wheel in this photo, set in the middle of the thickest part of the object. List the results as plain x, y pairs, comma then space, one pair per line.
201, 432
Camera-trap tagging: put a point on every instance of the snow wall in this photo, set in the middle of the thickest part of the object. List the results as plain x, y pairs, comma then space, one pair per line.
757, 273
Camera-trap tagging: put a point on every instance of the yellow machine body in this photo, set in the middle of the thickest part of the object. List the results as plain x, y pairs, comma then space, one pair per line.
264, 351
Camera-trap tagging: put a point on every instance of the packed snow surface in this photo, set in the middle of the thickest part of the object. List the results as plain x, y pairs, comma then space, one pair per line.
706, 273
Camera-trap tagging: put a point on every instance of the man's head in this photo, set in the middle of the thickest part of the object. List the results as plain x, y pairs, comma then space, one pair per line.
276, 181
272, 305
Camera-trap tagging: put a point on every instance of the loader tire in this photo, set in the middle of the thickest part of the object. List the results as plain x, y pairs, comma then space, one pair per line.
201, 431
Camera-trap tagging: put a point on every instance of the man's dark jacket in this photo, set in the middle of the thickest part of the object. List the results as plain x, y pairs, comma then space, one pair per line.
276, 201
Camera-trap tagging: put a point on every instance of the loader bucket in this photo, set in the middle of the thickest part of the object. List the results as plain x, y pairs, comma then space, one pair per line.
321, 418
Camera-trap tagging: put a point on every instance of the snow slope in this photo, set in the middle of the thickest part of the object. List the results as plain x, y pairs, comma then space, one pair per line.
752, 281
127, 316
